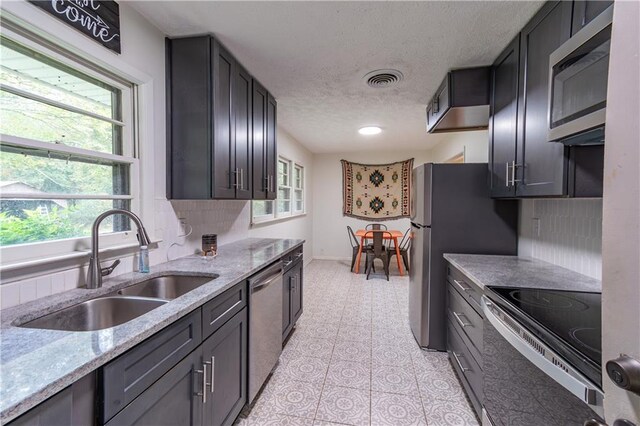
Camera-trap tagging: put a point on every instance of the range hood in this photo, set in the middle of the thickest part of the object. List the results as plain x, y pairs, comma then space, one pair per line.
461, 102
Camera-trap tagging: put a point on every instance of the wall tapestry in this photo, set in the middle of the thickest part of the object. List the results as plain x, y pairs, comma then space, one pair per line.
376, 191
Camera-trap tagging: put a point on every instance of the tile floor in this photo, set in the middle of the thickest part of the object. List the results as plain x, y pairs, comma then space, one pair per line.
352, 360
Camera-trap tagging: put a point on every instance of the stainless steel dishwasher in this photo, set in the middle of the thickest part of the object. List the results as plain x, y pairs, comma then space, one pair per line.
265, 325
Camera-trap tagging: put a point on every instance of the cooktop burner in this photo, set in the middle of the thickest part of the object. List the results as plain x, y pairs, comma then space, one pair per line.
588, 338
547, 299
572, 316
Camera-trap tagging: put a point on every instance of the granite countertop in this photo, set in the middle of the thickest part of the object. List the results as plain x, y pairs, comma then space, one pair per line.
514, 271
36, 364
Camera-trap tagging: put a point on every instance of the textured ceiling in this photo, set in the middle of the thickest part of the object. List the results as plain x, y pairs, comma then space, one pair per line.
312, 57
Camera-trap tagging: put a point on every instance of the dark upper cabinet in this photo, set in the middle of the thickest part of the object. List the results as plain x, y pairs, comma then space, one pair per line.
243, 150
225, 356
540, 167
461, 101
264, 143
272, 148
223, 75
503, 118
584, 11
521, 160
259, 141
210, 113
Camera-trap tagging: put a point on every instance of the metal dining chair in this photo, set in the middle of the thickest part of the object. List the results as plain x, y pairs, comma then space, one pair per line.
404, 246
378, 250
375, 227
355, 246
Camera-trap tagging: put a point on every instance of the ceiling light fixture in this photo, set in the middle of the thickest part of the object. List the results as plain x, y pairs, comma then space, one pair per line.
370, 130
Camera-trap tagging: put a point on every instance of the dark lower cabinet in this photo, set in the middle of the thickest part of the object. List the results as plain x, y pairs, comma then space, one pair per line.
73, 406
292, 289
465, 329
207, 387
172, 400
296, 295
225, 356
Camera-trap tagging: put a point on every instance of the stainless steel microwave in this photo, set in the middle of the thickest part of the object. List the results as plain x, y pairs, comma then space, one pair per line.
578, 72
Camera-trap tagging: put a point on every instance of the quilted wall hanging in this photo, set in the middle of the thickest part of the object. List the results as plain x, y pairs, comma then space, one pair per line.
376, 191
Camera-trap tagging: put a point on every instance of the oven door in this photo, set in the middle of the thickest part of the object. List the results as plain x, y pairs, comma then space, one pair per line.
578, 83
525, 383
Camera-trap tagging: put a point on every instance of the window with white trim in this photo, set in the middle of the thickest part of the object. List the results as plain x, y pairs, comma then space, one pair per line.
290, 198
66, 150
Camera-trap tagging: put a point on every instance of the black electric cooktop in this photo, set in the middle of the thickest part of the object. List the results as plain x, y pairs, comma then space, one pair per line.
559, 318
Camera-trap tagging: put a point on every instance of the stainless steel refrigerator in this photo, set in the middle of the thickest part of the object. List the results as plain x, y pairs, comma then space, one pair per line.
451, 212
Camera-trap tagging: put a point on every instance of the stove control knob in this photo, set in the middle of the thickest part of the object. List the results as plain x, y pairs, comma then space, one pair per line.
625, 373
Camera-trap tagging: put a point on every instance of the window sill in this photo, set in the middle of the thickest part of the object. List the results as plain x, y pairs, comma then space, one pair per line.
82, 255
276, 219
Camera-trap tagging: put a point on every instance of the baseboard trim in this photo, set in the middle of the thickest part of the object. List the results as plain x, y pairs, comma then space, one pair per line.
331, 258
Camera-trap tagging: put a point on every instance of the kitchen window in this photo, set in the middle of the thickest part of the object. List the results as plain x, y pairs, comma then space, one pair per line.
67, 151
290, 198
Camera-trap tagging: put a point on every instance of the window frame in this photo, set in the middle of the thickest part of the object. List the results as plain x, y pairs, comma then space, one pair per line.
28, 254
292, 212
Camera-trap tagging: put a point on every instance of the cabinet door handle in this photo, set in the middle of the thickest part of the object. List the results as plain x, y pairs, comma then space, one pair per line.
235, 178
213, 373
507, 179
463, 368
436, 105
514, 166
266, 183
204, 382
460, 321
462, 285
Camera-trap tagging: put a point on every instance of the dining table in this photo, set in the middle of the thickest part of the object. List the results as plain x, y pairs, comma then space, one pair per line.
365, 234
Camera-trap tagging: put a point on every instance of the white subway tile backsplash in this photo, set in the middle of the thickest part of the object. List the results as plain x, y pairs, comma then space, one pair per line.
43, 286
570, 233
27, 291
9, 295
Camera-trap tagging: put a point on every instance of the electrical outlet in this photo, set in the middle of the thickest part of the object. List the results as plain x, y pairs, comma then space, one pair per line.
536, 226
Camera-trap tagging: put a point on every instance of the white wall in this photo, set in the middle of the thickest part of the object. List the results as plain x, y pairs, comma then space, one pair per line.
569, 234
330, 239
474, 144
143, 55
621, 216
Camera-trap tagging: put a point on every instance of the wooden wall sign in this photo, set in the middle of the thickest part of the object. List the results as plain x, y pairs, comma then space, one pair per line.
99, 20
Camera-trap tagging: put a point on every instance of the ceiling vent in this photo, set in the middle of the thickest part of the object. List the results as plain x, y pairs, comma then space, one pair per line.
383, 78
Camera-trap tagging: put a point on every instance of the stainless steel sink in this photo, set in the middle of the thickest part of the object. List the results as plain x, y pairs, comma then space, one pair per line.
165, 287
96, 314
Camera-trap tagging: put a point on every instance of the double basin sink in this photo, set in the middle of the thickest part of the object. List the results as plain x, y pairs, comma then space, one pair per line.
119, 306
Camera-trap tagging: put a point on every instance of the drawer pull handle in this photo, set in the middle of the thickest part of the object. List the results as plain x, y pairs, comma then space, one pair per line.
203, 394
456, 357
462, 285
299, 255
288, 263
460, 321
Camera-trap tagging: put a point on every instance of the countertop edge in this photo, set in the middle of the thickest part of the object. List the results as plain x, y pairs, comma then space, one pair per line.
18, 408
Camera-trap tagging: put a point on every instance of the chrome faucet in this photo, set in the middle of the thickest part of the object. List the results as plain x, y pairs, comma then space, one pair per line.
94, 277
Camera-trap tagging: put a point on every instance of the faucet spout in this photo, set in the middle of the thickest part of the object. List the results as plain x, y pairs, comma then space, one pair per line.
95, 274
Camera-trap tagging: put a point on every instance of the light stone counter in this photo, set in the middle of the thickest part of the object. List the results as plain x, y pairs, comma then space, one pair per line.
36, 364
514, 271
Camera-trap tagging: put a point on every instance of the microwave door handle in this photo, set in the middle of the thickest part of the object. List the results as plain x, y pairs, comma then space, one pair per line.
575, 384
